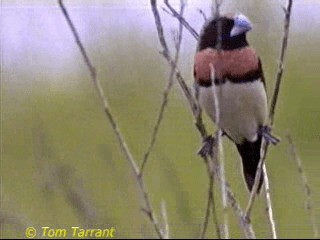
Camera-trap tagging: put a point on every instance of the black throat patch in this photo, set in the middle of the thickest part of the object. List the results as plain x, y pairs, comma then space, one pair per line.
209, 35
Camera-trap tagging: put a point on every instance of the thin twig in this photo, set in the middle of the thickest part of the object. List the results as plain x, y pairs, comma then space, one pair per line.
217, 162
99, 88
202, 13
166, 54
196, 111
217, 4
264, 145
165, 219
284, 46
215, 8
181, 19
187, 92
214, 213
269, 207
219, 147
112, 121
219, 157
304, 179
244, 224
210, 205
166, 92
254, 190
213, 170
207, 214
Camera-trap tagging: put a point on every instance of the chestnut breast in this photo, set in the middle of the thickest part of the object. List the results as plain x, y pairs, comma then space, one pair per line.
233, 64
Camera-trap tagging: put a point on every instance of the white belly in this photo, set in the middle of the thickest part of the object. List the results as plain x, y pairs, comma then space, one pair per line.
243, 108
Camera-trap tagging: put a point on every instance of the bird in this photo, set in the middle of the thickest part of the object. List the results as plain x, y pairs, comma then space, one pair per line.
224, 51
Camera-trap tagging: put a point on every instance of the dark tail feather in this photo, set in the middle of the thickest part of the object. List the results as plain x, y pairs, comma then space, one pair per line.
250, 154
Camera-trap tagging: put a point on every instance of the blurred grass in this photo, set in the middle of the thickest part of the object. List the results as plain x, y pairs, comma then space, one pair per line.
48, 124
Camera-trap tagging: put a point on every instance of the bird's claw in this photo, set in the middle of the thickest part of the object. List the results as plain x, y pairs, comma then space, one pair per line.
207, 146
265, 132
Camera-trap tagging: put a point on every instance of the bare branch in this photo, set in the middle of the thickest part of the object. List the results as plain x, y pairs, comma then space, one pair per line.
254, 190
166, 54
196, 111
245, 225
210, 205
306, 185
281, 61
269, 202
218, 155
187, 92
181, 20
113, 122
287, 12
166, 92
202, 13
165, 219
264, 145
205, 223
99, 88
217, 162
218, 146
261, 167
215, 7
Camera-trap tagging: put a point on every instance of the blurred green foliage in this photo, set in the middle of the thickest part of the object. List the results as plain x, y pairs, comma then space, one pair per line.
56, 140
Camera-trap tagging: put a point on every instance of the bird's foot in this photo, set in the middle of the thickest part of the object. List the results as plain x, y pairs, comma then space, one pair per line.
265, 132
207, 146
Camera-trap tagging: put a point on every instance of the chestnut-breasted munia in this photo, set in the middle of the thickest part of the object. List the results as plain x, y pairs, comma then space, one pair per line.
239, 84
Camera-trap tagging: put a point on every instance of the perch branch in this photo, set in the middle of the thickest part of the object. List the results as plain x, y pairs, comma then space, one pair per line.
244, 224
218, 147
196, 111
166, 92
165, 219
148, 207
181, 19
269, 208
264, 147
187, 91
284, 46
218, 157
210, 205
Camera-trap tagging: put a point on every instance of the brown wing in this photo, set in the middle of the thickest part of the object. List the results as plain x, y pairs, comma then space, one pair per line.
261, 73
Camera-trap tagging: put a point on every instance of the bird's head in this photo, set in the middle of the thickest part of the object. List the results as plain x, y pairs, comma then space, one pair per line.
233, 29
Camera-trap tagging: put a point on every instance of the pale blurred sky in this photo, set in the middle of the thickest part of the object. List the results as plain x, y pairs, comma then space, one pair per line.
35, 29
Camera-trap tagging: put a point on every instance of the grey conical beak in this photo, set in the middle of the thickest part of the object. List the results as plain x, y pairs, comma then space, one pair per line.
242, 24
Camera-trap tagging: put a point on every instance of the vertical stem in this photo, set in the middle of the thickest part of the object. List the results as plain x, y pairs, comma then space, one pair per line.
264, 145
110, 117
269, 203
219, 156
219, 147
